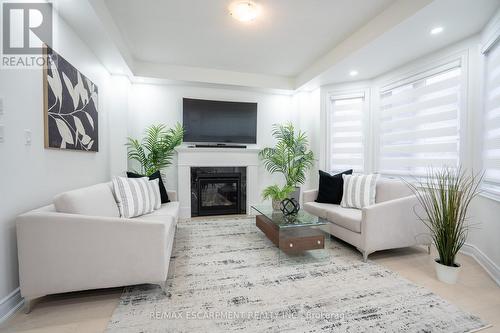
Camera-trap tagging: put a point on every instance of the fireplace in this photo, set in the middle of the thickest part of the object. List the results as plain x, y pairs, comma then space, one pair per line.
218, 191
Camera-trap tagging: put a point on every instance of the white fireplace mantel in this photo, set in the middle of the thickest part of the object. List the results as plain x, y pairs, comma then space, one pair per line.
216, 157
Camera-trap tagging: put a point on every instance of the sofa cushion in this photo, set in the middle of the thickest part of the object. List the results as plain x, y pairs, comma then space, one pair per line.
96, 200
154, 193
161, 185
170, 209
349, 218
390, 189
359, 190
331, 187
316, 208
132, 196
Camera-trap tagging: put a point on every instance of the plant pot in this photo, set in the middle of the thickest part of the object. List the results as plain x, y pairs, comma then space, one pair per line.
447, 274
276, 205
295, 194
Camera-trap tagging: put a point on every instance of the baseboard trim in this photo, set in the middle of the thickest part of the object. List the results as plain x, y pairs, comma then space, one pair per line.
10, 304
489, 266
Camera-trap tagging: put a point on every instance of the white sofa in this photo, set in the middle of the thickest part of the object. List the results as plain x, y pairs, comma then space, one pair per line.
390, 223
80, 242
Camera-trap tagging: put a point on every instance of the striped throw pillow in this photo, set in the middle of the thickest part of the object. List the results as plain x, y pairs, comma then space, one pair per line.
154, 193
359, 190
132, 196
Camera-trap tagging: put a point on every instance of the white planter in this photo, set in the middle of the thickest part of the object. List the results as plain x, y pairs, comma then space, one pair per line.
447, 274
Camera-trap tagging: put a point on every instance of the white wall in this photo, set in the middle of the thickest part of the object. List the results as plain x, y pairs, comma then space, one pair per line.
152, 104
31, 175
120, 89
483, 239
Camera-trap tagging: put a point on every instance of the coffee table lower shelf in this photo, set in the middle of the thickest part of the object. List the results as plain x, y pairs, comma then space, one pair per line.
291, 240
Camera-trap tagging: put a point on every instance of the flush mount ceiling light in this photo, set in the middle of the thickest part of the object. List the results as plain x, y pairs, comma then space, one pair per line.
353, 73
244, 11
436, 30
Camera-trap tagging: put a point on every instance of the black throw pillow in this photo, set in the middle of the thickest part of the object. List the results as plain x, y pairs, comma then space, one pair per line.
331, 188
156, 175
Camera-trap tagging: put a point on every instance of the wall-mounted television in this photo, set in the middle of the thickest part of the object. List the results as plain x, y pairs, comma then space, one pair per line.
207, 121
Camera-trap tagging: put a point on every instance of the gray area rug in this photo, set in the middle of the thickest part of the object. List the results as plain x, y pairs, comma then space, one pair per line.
228, 277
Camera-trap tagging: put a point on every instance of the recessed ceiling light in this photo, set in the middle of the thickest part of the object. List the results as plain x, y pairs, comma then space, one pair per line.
244, 11
437, 30
353, 73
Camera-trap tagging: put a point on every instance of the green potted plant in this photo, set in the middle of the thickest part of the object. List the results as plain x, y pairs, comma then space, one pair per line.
156, 149
277, 194
290, 157
445, 196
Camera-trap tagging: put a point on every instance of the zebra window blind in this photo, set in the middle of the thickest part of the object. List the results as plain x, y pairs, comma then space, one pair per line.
419, 123
347, 116
491, 143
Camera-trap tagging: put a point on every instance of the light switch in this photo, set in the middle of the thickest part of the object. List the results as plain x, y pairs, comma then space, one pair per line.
1, 133
27, 137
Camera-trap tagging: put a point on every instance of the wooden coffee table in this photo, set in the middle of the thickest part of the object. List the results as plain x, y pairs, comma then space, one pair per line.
291, 234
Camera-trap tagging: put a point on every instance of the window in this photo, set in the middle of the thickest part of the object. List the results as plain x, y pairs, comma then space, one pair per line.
419, 122
491, 144
346, 132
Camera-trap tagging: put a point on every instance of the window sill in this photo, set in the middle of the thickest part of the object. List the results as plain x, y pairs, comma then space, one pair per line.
490, 195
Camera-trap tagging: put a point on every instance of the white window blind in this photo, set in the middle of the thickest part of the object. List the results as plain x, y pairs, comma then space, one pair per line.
491, 145
346, 133
419, 123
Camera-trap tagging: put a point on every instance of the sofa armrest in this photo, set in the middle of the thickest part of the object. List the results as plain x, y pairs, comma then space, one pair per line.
393, 224
172, 195
309, 196
65, 252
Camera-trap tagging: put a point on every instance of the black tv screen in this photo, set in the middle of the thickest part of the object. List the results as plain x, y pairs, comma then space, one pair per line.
219, 121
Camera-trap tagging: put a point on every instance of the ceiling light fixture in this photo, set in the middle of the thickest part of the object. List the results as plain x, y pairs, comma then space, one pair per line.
244, 11
353, 73
437, 30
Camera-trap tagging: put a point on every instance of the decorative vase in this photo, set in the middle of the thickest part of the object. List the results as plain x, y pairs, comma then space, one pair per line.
447, 274
276, 205
289, 207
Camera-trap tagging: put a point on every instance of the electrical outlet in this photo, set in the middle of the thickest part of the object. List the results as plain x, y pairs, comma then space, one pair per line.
1, 133
27, 137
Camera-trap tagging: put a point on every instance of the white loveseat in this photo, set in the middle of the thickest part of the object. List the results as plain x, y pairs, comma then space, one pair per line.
390, 223
80, 242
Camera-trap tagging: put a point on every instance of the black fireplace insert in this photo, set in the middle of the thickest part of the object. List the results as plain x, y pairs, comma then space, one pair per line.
218, 191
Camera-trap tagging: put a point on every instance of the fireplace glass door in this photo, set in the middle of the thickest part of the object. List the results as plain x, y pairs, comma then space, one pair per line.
218, 196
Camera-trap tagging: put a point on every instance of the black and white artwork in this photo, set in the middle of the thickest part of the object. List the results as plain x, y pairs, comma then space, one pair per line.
71, 118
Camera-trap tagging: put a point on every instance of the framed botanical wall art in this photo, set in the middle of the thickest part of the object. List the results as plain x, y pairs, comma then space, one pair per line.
70, 106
